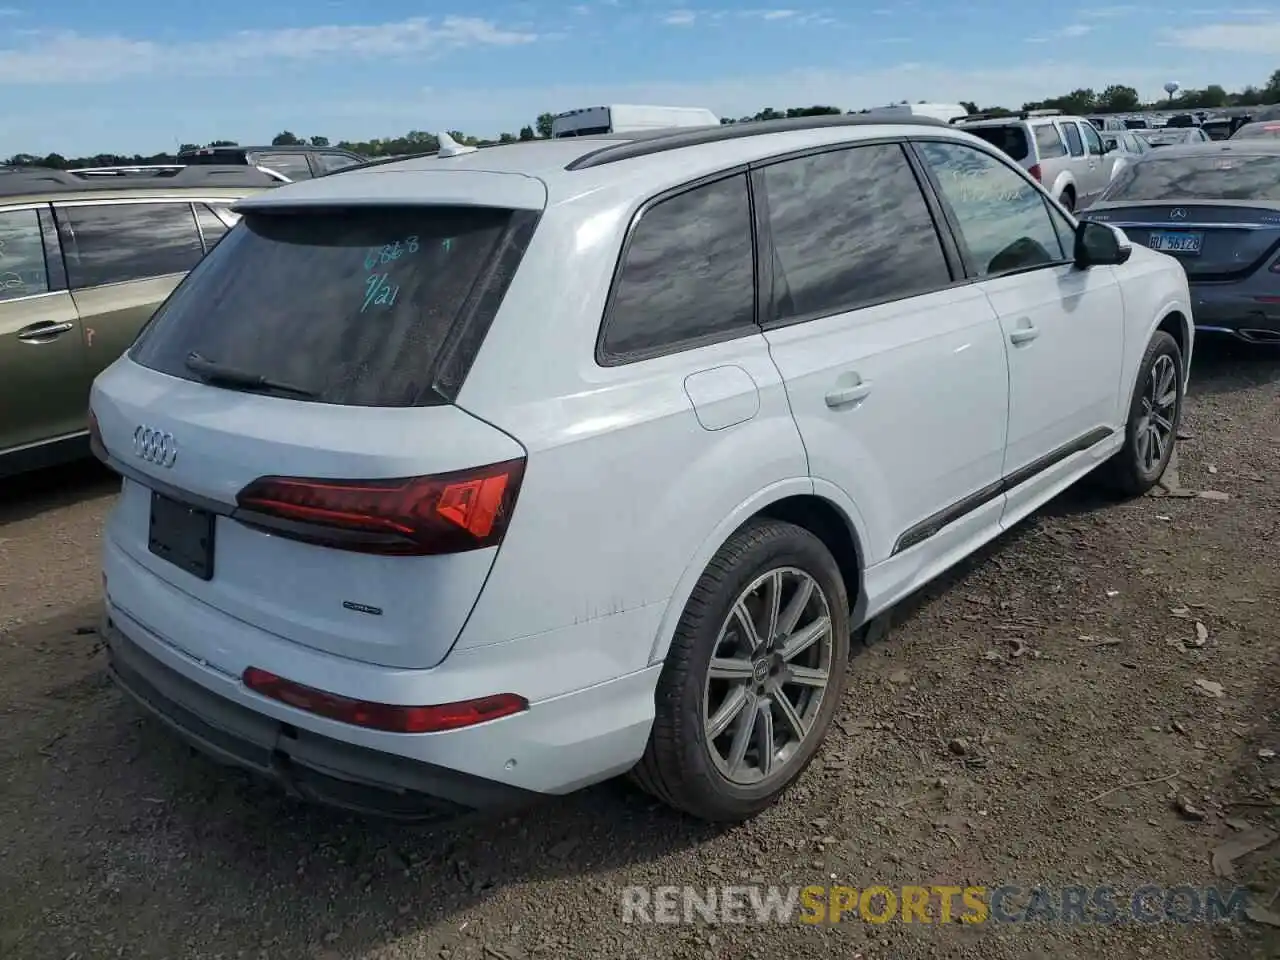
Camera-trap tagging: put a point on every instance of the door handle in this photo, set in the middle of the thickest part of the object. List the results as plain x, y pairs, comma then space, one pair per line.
44, 331
1024, 334
844, 396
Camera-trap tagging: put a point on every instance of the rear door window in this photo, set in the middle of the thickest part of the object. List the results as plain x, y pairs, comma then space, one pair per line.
1074, 144
1049, 142
22, 266
1012, 139
687, 275
120, 242
330, 162
849, 227
292, 165
351, 307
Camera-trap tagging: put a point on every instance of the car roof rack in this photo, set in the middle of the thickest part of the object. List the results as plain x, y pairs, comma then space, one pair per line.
628, 146
15, 181
1008, 115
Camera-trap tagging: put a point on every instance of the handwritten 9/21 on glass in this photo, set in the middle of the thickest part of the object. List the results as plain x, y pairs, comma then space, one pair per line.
379, 290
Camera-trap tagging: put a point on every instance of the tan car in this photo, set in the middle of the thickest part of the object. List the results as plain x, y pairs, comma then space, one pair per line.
85, 258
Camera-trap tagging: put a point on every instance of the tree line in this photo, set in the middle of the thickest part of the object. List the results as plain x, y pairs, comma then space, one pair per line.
1116, 98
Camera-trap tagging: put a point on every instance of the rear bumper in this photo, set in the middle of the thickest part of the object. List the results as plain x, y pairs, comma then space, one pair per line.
1223, 310
305, 764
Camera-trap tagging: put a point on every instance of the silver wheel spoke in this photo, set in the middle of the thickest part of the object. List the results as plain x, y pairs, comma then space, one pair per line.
728, 712
1164, 425
742, 735
750, 633
730, 668
764, 736
1167, 401
802, 640
772, 601
1144, 446
1158, 441
795, 607
794, 720
807, 676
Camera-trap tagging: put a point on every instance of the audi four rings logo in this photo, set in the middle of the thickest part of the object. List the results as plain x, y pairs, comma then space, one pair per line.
155, 446
1178, 213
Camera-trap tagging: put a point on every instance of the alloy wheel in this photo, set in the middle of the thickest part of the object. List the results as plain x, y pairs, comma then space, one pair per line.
1157, 415
768, 675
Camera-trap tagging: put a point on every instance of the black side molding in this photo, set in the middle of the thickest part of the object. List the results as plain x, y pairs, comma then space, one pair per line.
930, 526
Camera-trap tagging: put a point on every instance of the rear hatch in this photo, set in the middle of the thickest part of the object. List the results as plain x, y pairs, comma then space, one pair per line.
298, 387
1217, 212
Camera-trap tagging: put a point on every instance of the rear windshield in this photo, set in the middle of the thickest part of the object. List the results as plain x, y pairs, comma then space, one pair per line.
1011, 139
349, 307
1256, 131
1213, 176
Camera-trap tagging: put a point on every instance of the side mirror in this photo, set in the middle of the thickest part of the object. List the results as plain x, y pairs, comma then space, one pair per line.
1100, 245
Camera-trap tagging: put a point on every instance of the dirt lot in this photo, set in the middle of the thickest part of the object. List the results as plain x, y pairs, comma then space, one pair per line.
973, 747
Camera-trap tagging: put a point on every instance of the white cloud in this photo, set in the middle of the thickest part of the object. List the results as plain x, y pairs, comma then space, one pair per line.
775, 14
680, 18
1076, 30
581, 9
1228, 37
10, 12
1108, 13
69, 57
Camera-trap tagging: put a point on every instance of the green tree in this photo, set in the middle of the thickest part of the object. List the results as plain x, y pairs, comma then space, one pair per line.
543, 124
285, 139
969, 106
506, 138
188, 147
1118, 98
319, 141
526, 133
223, 143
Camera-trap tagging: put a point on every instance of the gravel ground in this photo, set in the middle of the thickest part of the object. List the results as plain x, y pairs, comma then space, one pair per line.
972, 748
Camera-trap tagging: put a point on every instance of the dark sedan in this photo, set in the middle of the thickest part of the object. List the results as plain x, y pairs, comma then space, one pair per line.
1262, 130
1216, 207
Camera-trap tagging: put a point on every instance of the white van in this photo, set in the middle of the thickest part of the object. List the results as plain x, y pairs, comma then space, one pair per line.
946, 112
620, 117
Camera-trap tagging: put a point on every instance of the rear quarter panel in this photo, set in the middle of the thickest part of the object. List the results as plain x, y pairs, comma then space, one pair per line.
624, 489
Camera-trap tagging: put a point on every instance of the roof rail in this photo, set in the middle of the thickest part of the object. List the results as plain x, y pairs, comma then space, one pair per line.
674, 138
17, 181
1007, 115
131, 169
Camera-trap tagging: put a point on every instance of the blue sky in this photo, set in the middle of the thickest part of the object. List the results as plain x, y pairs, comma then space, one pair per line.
143, 75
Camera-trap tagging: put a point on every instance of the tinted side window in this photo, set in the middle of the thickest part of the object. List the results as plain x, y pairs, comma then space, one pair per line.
329, 162
1003, 219
115, 243
849, 227
22, 269
1092, 141
688, 273
211, 228
292, 165
1049, 142
1074, 143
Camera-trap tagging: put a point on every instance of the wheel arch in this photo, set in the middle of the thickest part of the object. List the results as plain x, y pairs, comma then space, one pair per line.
793, 501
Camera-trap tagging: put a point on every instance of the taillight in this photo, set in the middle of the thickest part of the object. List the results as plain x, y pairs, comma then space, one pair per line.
384, 716
414, 516
1035, 172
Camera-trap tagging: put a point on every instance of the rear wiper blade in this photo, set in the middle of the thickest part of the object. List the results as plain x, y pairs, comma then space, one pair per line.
213, 372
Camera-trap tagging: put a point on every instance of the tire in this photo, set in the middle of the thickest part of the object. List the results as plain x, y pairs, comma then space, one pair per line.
687, 764
1132, 471
1068, 200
